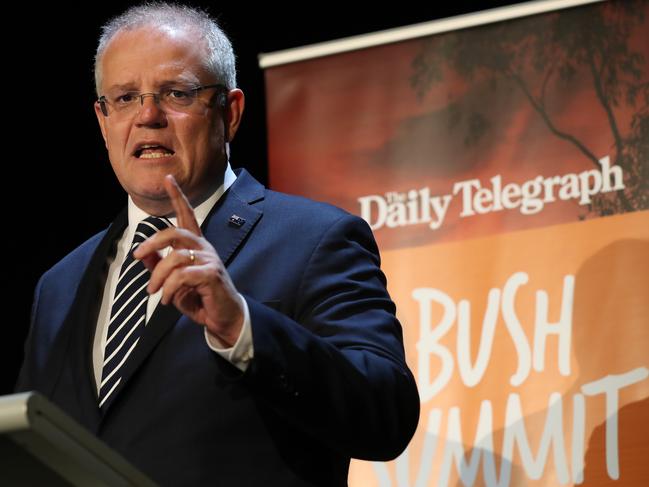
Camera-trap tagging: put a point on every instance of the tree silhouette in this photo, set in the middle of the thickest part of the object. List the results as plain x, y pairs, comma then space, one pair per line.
543, 53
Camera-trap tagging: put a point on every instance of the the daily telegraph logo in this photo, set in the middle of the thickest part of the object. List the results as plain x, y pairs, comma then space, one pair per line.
419, 206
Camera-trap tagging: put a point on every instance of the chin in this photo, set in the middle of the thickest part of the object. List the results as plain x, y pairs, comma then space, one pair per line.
157, 193
154, 192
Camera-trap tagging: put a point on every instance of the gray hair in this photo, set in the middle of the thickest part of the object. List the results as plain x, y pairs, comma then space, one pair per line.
220, 55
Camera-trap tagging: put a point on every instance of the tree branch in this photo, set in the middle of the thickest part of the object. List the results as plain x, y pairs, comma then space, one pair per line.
550, 124
601, 96
545, 82
564, 135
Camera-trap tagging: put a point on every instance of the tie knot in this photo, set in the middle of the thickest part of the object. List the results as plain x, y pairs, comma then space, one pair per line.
149, 226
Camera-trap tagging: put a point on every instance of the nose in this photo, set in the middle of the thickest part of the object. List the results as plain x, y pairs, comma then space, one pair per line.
149, 113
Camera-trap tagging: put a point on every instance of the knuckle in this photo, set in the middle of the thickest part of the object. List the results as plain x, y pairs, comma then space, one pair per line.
214, 274
185, 233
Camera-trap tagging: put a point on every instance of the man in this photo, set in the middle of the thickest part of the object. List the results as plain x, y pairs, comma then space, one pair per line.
260, 347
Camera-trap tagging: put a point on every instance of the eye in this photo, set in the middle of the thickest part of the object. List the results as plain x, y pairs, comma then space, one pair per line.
125, 98
179, 94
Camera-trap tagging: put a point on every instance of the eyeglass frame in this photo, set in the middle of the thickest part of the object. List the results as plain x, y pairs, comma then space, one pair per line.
103, 101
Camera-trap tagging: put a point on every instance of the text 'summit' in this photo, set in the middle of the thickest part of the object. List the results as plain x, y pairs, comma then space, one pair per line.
446, 353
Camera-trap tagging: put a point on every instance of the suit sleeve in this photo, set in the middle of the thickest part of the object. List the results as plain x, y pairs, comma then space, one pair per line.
25, 381
336, 369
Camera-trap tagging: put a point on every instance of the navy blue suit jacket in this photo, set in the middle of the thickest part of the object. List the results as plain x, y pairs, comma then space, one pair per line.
328, 380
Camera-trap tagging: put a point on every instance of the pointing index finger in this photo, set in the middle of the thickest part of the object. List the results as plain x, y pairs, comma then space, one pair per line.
182, 208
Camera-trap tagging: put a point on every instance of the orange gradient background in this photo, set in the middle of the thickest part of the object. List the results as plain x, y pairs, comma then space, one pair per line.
351, 125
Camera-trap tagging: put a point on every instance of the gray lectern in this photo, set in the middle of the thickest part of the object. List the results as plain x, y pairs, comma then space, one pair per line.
41, 446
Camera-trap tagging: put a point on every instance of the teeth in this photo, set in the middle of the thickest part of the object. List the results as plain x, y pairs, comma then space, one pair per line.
154, 155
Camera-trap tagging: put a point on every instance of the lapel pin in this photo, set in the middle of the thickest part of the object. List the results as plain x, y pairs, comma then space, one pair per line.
236, 220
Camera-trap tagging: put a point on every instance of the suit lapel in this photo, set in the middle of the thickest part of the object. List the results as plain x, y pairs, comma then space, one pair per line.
74, 342
234, 216
226, 228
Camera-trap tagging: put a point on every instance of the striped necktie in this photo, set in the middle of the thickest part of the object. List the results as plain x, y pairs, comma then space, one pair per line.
128, 312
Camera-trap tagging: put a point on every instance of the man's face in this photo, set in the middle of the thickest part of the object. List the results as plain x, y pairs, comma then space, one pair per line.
189, 144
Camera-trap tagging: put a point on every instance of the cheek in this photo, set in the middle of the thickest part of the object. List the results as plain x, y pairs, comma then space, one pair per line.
203, 141
215, 137
116, 141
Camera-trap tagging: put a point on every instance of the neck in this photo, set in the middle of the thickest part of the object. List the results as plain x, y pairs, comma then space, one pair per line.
163, 206
160, 207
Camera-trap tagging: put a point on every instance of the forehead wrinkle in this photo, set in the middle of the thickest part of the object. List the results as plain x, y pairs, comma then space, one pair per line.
184, 63
186, 77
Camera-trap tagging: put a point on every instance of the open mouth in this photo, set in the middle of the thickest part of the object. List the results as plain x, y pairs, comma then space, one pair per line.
152, 151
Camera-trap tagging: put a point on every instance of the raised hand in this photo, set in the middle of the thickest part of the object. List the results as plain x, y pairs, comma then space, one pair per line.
192, 276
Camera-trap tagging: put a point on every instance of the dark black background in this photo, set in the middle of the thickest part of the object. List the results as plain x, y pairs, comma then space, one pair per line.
58, 187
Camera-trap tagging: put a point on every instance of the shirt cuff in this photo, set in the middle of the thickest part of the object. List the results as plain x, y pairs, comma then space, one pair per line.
242, 352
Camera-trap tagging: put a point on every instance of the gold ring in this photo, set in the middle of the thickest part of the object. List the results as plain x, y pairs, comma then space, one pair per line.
192, 257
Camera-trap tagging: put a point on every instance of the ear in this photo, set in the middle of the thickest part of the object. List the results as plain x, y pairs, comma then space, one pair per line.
101, 118
233, 109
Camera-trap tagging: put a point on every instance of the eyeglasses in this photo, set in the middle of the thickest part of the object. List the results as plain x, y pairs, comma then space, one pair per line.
125, 104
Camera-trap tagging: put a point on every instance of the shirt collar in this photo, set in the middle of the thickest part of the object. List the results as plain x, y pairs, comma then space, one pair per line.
136, 215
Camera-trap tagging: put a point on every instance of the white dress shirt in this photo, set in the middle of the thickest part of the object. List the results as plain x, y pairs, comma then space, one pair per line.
239, 354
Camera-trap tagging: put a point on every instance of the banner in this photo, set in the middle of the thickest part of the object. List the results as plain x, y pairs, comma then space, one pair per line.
504, 169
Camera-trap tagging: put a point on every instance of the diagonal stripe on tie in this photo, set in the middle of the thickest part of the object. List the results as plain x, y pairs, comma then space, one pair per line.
128, 312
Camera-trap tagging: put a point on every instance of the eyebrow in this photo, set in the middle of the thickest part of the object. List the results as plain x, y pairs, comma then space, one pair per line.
169, 82
185, 81
127, 86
